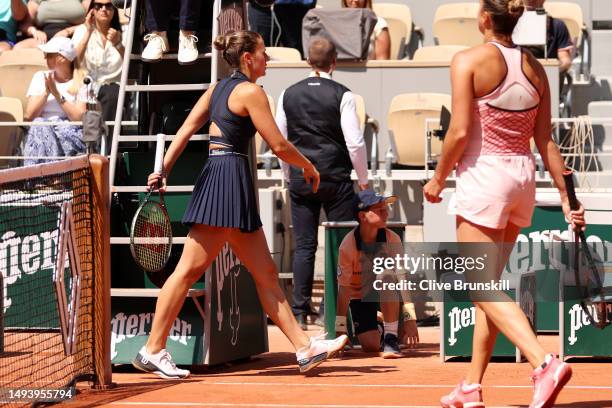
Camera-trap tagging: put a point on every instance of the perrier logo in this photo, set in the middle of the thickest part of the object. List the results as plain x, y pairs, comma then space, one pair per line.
460, 319
21, 256
579, 319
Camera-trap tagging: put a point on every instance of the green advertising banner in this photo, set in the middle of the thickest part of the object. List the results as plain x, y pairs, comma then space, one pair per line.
228, 325
459, 320
28, 253
547, 220
131, 319
580, 337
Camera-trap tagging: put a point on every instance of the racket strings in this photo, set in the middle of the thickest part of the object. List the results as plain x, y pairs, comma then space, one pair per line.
152, 237
578, 148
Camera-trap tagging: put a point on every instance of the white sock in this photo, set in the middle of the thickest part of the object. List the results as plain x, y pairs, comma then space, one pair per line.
391, 327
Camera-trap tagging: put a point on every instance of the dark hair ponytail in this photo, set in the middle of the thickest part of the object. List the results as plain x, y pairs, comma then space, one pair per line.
235, 43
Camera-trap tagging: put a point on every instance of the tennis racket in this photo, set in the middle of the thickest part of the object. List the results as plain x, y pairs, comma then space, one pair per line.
151, 232
586, 274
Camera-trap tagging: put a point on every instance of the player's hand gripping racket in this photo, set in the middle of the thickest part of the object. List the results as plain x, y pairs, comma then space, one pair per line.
588, 280
151, 233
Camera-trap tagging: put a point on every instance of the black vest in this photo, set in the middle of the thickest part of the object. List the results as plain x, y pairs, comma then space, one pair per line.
312, 108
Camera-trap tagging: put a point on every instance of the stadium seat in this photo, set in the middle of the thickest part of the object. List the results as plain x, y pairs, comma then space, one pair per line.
399, 20
10, 136
15, 79
23, 56
406, 122
437, 53
571, 14
457, 24
283, 54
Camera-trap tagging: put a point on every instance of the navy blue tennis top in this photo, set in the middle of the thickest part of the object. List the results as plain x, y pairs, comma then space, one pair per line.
236, 131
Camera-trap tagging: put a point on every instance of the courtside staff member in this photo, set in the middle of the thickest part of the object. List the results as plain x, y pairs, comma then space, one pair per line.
318, 116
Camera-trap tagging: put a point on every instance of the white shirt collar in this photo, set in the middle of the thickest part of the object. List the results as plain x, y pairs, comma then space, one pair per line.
321, 74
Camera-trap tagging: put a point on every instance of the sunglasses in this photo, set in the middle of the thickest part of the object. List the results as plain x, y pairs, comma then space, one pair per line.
99, 6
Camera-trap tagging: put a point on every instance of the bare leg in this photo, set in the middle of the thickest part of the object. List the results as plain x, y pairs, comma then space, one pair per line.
252, 250
485, 334
201, 247
507, 317
370, 341
390, 311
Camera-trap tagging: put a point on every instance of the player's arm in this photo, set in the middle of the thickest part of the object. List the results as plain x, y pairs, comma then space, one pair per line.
256, 103
456, 139
553, 161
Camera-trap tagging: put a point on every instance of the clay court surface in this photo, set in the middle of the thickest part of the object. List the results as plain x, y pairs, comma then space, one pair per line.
356, 380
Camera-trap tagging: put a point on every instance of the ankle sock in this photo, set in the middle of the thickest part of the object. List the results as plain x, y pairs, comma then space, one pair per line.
391, 327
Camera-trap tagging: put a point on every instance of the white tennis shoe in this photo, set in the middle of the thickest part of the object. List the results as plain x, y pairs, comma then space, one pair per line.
319, 350
159, 363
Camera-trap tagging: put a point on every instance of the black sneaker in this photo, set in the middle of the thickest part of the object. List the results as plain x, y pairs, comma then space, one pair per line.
391, 347
160, 364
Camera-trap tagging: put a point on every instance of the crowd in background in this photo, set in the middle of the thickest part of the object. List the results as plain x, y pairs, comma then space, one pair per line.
89, 34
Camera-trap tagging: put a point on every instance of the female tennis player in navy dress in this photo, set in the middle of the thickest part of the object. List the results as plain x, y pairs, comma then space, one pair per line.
223, 207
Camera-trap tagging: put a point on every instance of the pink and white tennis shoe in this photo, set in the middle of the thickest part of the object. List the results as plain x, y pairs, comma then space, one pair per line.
464, 396
549, 381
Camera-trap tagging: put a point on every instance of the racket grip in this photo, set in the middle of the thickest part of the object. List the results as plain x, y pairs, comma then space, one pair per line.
159, 153
568, 176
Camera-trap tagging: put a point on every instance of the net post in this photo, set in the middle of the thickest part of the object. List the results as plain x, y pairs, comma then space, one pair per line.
101, 229
1, 314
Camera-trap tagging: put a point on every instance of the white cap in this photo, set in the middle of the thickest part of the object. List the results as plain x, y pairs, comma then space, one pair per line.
60, 45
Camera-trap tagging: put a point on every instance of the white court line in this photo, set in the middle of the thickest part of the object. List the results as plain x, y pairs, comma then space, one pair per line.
277, 384
229, 404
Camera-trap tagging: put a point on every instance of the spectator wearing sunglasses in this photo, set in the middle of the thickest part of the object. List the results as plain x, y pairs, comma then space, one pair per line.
49, 18
100, 51
156, 23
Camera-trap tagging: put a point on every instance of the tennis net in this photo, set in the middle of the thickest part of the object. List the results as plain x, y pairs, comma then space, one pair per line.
54, 280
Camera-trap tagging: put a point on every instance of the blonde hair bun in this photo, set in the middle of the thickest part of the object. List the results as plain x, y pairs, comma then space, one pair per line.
516, 7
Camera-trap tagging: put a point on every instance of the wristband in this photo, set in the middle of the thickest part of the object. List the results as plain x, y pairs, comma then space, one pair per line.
408, 311
341, 324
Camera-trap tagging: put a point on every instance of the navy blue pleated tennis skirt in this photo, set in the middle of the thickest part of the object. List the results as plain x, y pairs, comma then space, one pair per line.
224, 195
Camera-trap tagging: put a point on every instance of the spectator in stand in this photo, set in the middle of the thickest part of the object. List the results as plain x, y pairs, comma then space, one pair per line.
289, 14
100, 52
380, 41
558, 42
56, 95
11, 12
50, 18
156, 22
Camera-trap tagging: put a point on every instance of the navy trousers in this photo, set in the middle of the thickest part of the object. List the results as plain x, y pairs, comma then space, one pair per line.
336, 198
158, 14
